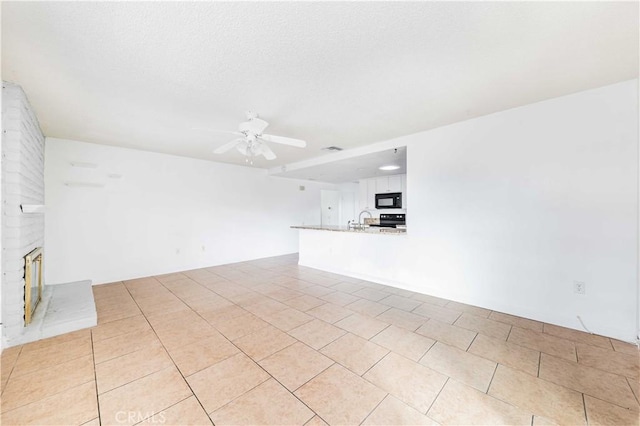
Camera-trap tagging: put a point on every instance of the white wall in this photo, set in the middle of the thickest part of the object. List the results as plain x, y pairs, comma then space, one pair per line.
507, 210
526, 201
165, 214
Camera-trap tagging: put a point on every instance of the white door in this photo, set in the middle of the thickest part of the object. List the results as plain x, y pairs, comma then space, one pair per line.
362, 192
348, 208
330, 207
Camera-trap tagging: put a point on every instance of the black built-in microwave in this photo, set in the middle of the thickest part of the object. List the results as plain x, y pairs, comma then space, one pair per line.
389, 200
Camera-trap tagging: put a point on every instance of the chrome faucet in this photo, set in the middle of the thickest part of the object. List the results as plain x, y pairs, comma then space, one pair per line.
360, 216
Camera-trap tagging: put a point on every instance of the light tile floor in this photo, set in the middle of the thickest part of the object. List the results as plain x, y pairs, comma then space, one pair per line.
270, 342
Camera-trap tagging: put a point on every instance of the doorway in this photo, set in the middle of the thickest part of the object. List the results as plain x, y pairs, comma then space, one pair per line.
330, 207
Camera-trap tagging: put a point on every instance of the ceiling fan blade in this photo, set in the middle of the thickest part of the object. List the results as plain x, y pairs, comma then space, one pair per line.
266, 151
227, 146
231, 132
285, 141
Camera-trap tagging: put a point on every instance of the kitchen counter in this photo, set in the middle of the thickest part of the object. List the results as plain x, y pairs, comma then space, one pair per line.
367, 230
366, 254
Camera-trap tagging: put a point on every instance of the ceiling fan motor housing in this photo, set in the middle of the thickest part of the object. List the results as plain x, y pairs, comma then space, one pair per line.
253, 127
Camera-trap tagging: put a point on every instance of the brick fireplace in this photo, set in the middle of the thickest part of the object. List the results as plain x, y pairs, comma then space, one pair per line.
22, 184
30, 312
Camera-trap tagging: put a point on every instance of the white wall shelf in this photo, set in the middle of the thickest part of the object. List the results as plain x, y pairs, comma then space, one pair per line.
32, 208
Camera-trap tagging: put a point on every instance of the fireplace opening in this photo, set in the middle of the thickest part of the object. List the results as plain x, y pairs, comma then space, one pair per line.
32, 283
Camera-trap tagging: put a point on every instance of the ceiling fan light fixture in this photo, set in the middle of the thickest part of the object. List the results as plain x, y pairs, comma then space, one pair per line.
389, 167
253, 142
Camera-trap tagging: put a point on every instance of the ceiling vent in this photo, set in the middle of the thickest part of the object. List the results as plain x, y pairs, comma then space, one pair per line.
332, 148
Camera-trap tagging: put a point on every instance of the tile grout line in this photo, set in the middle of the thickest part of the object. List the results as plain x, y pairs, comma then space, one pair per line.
95, 378
46, 398
426, 413
134, 380
632, 392
40, 369
373, 337
539, 363
121, 355
331, 365
12, 368
293, 392
603, 400
370, 368
121, 318
435, 342
374, 408
163, 410
510, 330
584, 408
324, 346
428, 349
472, 340
492, 377
608, 402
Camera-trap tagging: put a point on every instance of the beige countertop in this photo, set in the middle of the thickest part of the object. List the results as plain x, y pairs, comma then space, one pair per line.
368, 230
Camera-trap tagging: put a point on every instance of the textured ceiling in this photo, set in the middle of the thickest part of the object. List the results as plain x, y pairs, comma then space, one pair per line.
143, 75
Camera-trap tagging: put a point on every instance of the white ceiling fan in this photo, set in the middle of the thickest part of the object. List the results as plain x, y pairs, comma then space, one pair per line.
253, 142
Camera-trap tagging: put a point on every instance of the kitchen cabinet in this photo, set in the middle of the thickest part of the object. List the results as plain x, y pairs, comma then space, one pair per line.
395, 183
368, 188
371, 194
388, 184
367, 194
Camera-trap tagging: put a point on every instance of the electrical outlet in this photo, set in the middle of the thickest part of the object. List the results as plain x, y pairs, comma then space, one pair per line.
579, 287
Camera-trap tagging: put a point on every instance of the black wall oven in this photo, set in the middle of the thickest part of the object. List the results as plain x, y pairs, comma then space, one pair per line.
390, 200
